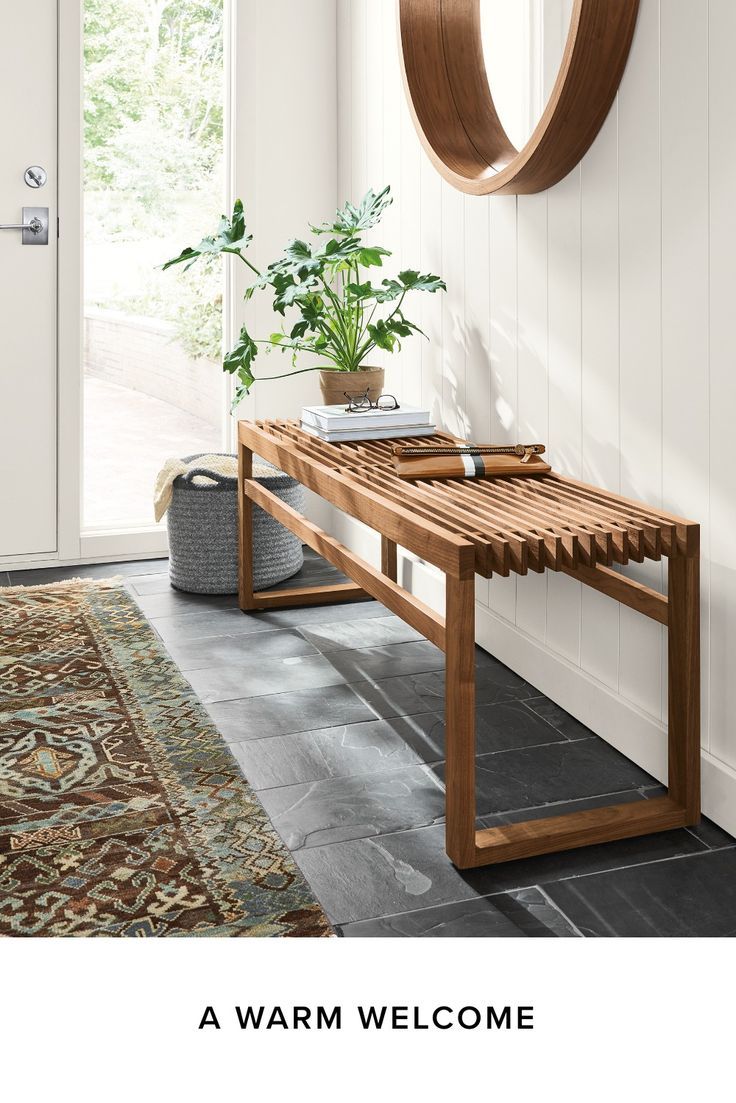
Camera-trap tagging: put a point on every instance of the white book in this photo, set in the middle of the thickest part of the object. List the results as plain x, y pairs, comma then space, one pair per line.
334, 418
390, 432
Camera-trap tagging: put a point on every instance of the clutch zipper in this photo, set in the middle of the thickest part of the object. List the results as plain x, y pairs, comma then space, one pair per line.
523, 451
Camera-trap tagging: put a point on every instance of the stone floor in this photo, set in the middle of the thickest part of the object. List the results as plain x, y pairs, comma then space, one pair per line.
335, 715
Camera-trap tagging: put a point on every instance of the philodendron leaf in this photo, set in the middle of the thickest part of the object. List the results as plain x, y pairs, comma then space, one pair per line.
288, 296
297, 248
229, 238
361, 291
371, 256
299, 259
413, 281
239, 361
241, 392
382, 335
312, 308
351, 220
389, 290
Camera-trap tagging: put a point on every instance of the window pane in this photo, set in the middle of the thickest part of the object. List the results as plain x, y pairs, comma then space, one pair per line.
153, 177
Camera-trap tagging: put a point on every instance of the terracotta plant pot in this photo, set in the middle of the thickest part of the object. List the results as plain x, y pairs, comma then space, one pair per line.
334, 384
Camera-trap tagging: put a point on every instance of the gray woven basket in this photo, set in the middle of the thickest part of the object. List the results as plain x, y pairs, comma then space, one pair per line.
203, 532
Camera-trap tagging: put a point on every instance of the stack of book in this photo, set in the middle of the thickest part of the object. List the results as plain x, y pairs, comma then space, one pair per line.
334, 424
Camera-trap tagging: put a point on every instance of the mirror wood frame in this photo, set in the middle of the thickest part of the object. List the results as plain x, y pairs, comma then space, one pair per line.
452, 107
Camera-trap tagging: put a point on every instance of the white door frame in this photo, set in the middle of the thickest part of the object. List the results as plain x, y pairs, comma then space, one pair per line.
265, 177
74, 546
69, 348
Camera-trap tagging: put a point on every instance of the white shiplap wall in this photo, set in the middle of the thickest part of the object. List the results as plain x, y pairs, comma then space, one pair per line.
599, 317
285, 122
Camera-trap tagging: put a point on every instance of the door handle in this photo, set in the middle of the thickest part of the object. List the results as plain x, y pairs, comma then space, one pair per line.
34, 227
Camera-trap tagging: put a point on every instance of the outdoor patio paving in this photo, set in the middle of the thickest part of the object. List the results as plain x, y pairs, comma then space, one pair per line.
127, 436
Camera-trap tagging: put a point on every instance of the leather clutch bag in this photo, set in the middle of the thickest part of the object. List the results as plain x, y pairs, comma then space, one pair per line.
468, 460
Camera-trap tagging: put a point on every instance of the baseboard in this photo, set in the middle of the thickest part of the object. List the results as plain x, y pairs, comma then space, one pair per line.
639, 736
100, 547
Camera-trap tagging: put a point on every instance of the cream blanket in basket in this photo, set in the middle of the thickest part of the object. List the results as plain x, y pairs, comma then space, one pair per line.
173, 468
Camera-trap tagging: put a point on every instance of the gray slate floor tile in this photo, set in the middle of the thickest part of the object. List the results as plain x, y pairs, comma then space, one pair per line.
342, 635
315, 572
327, 752
174, 603
711, 834
46, 575
559, 771
381, 744
226, 651
373, 663
229, 621
402, 696
210, 622
337, 809
157, 583
263, 678
321, 614
368, 878
4, 578
562, 808
558, 718
500, 727
687, 897
526, 913
286, 713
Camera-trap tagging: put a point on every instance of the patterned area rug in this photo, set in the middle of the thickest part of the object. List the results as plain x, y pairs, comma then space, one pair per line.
122, 812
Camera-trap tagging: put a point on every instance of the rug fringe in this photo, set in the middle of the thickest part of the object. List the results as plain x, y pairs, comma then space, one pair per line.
115, 582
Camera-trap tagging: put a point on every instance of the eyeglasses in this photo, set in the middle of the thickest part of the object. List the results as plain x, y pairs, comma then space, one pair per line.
363, 401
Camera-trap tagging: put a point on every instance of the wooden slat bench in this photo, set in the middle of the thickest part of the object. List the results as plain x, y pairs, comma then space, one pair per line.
492, 526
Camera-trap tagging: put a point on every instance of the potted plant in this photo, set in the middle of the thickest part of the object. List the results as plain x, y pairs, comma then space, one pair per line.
334, 310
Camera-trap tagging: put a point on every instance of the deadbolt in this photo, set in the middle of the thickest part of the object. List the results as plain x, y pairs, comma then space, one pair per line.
35, 176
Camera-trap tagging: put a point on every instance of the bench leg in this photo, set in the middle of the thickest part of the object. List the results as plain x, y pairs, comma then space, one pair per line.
460, 720
245, 531
250, 601
683, 689
679, 808
389, 562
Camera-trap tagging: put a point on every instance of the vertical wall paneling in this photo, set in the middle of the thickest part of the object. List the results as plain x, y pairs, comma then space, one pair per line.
477, 331
356, 48
504, 366
430, 307
373, 68
600, 376
685, 390
564, 439
391, 175
722, 380
532, 382
640, 371
344, 103
452, 302
599, 317
409, 188
273, 140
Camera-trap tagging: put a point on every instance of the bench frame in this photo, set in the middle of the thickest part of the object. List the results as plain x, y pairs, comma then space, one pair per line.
679, 611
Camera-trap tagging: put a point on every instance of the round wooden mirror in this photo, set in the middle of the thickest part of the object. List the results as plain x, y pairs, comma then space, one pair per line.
455, 60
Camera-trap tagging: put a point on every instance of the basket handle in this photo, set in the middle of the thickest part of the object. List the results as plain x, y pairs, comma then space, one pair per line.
215, 476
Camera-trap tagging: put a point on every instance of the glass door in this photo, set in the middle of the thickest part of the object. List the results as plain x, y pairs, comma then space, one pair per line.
153, 164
